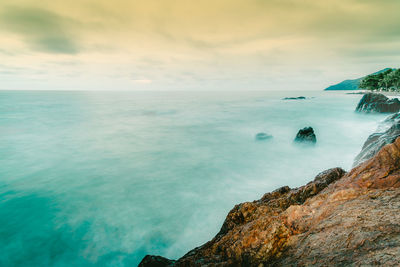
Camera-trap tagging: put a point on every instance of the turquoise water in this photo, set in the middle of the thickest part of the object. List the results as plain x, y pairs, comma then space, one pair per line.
103, 178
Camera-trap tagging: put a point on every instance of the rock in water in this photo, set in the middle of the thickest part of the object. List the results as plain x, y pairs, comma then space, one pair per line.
306, 135
254, 232
263, 136
372, 102
156, 261
294, 98
339, 219
376, 141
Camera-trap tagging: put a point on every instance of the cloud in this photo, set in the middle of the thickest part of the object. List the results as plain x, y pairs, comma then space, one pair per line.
43, 30
209, 42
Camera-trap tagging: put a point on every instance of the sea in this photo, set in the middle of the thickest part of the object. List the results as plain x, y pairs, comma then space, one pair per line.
102, 178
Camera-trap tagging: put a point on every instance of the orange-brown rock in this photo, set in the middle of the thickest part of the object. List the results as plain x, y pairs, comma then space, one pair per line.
337, 220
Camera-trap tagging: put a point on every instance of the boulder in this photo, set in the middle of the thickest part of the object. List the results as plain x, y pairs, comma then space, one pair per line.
263, 136
372, 102
306, 135
155, 261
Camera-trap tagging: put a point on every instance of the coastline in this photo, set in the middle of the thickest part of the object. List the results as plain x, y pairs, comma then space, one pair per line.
338, 219
356, 92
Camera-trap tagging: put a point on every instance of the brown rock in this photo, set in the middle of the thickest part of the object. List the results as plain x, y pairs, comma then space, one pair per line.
337, 220
255, 232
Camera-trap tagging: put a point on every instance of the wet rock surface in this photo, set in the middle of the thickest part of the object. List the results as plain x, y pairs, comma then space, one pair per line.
376, 141
372, 102
306, 135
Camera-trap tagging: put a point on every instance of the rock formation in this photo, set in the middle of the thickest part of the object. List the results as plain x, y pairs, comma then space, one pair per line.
294, 98
377, 140
263, 136
156, 261
339, 219
372, 102
306, 135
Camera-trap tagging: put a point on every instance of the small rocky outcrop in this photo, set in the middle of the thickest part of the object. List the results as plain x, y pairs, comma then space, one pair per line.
376, 141
156, 261
294, 98
339, 219
306, 135
372, 102
263, 136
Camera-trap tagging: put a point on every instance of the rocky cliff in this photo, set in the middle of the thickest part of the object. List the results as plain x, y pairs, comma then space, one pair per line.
338, 219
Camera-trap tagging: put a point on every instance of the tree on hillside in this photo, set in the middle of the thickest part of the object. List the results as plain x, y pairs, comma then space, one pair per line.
371, 82
394, 78
384, 81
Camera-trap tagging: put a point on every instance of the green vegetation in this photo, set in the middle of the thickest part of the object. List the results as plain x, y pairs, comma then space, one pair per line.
388, 80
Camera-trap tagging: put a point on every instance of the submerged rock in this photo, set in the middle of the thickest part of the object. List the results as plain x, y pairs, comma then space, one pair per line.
263, 136
339, 219
306, 135
372, 102
294, 98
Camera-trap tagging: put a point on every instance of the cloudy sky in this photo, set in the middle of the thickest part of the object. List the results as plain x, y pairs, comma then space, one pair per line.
194, 45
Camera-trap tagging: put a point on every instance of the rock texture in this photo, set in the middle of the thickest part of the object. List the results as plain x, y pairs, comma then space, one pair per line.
376, 141
372, 102
306, 135
339, 219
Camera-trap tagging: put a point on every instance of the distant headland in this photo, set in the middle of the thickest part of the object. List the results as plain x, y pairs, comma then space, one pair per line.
387, 79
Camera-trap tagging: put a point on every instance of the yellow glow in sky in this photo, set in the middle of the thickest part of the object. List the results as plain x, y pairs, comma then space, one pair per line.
194, 45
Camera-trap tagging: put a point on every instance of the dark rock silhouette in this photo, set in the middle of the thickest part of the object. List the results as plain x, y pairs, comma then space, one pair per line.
155, 261
372, 102
294, 98
306, 135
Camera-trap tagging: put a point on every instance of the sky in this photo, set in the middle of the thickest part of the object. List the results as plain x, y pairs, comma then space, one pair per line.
194, 45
